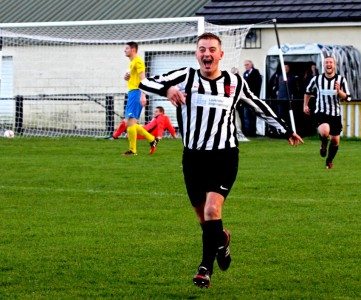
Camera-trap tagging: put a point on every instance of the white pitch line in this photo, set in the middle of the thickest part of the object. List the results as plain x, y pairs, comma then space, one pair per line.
140, 193
88, 191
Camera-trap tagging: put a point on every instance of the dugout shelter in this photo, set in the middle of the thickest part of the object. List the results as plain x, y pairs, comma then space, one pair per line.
300, 57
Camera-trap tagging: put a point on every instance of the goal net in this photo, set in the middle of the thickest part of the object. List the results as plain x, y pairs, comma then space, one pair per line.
66, 79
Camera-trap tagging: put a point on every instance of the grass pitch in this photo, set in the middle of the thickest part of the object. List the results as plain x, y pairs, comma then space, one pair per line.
78, 220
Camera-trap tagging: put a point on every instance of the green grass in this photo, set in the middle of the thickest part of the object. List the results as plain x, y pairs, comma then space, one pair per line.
78, 220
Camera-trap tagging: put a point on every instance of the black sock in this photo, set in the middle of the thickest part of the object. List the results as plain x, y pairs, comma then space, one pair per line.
212, 237
332, 150
324, 140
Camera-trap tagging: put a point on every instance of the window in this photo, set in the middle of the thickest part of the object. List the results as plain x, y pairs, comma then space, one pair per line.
253, 39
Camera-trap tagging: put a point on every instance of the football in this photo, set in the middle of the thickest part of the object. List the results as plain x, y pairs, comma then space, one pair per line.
9, 134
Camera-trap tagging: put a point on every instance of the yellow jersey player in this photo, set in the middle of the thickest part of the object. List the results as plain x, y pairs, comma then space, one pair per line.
135, 103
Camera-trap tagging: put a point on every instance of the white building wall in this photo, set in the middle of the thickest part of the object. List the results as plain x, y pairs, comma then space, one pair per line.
65, 69
335, 35
74, 69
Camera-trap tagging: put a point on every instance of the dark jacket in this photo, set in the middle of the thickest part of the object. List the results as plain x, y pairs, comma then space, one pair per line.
254, 80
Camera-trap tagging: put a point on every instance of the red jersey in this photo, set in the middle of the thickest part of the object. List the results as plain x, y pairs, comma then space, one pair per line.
158, 124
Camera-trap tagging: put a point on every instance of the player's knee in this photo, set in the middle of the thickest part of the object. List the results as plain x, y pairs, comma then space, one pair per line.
212, 211
335, 140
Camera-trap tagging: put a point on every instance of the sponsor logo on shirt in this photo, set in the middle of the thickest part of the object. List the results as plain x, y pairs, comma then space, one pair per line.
212, 101
326, 92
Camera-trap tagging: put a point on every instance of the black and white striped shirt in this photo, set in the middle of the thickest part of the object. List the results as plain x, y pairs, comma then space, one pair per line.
327, 101
207, 119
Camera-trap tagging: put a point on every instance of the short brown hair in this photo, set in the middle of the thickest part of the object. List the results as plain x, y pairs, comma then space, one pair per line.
133, 45
161, 109
209, 36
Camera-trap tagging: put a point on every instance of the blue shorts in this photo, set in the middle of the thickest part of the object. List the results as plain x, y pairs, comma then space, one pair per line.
134, 107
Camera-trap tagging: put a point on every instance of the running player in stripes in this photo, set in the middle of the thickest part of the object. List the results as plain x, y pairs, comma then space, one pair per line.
206, 101
330, 88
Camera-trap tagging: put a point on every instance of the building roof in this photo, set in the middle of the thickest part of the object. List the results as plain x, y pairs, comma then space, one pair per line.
285, 11
16, 11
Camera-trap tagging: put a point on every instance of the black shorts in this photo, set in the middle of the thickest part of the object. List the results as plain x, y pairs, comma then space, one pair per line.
209, 171
335, 122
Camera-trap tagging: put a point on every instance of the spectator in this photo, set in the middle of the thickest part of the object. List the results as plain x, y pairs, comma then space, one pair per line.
247, 115
310, 72
279, 92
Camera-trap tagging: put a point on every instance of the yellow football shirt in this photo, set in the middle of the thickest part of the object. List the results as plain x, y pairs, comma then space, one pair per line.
136, 67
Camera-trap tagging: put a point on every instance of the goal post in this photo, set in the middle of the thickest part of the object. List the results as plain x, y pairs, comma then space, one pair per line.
66, 78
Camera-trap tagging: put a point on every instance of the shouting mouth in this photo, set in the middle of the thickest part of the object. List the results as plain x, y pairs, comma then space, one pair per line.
329, 69
207, 63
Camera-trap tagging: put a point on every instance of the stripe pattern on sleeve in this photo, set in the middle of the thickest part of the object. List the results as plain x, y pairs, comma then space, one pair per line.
207, 120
